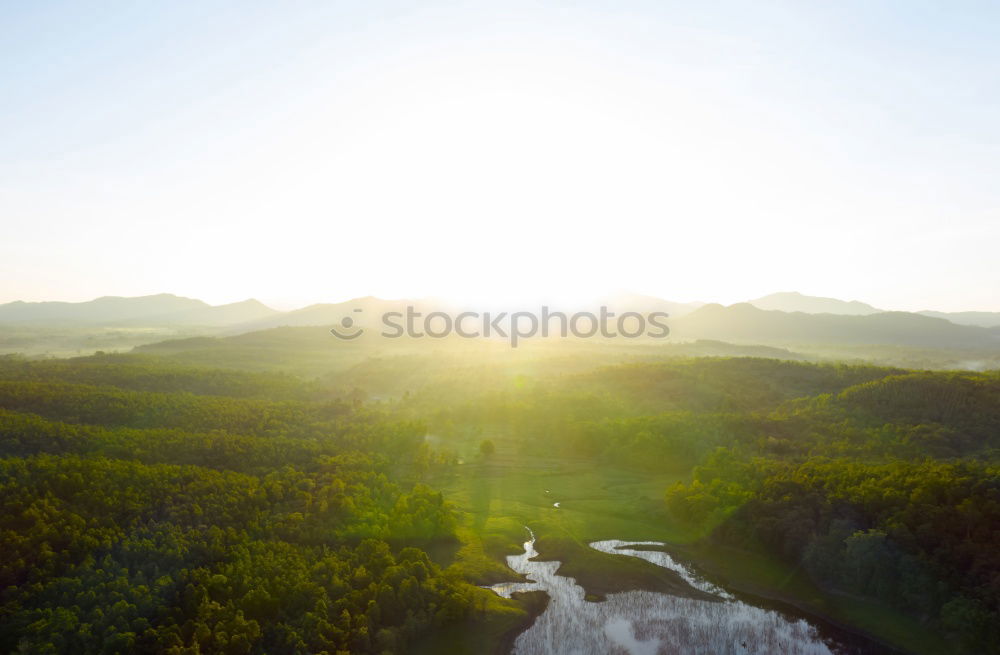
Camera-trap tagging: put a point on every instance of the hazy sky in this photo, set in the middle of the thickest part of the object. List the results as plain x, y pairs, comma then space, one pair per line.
300, 152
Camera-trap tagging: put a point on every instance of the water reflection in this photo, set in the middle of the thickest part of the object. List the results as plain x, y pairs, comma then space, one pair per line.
660, 558
648, 623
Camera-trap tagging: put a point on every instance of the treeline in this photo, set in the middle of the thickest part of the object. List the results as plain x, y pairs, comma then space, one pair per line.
642, 415
135, 520
111, 406
146, 373
390, 444
889, 489
726, 385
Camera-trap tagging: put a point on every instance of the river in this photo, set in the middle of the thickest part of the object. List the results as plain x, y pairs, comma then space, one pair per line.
709, 621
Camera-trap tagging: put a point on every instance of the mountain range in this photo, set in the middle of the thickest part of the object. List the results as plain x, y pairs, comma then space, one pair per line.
158, 310
746, 323
781, 318
793, 301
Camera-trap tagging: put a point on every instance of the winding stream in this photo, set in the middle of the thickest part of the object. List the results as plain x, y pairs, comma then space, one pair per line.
711, 622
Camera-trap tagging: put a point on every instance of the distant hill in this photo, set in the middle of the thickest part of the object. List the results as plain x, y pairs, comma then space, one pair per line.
158, 310
364, 312
222, 315
982, 319
634, 302
165, 310
793, 301
746, 323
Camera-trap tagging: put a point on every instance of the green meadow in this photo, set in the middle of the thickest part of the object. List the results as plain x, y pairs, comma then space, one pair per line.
500, 495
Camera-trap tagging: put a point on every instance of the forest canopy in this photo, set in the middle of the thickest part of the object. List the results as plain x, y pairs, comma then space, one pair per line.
149, 506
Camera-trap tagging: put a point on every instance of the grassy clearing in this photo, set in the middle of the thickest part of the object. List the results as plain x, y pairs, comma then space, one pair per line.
492, 630
502, 494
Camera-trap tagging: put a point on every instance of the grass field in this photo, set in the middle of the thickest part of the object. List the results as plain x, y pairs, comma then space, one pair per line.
502, 494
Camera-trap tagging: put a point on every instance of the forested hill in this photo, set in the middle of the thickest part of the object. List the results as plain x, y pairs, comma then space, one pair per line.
745, 323
147, 509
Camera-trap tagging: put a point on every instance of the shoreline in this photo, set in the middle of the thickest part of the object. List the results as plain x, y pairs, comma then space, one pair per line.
769, 595
534, 603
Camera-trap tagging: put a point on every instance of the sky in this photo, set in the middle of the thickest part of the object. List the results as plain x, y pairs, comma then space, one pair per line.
305, 152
